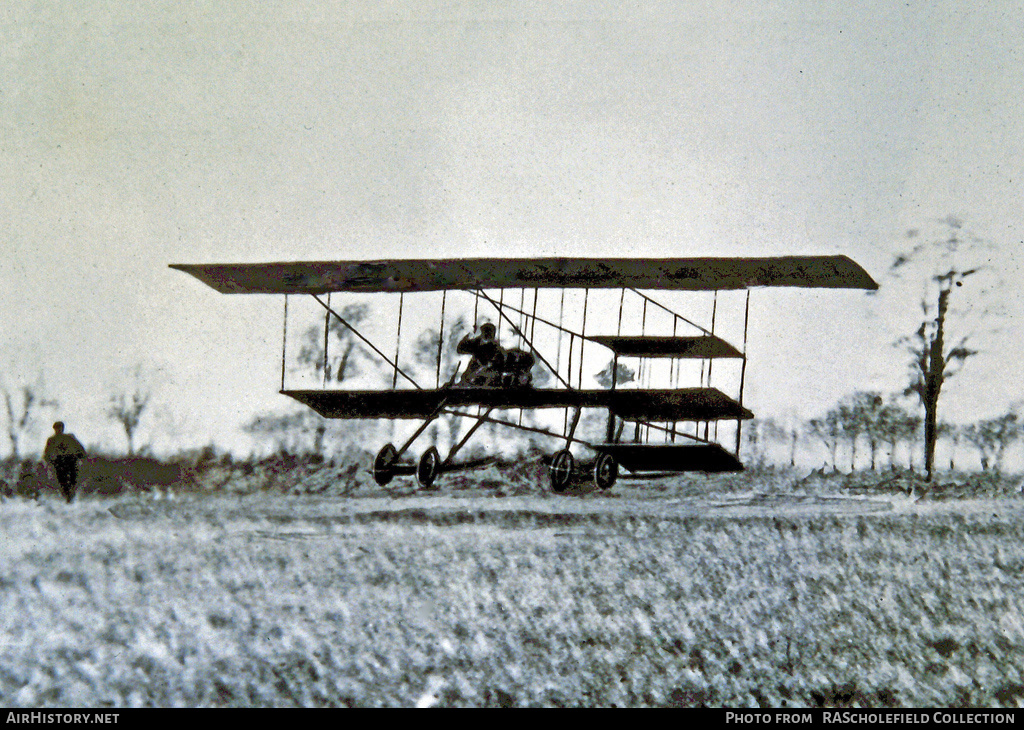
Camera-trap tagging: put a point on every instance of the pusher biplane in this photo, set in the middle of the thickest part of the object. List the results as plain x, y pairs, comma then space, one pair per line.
644, 429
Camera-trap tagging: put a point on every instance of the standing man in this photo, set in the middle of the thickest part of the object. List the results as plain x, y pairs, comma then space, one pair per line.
63, 452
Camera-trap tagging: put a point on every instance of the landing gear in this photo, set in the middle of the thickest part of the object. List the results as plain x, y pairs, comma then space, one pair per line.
606, 471
561, 470
428, 468
384, 464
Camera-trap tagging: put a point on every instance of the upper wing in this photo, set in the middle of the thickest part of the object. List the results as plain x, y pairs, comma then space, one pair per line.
405, 275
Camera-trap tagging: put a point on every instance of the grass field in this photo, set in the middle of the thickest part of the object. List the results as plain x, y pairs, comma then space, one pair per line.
645, 597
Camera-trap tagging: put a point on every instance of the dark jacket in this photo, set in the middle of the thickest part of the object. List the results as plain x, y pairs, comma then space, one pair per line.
486, 352
63, 445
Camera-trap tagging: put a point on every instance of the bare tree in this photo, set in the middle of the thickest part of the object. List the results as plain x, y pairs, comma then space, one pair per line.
753, 436
787, 433
333, 351
933, 362
873, 406
793, 436
770, 432
24, 403
992, 437
900, 427
130, 400
864, 413
829, 429
851, 421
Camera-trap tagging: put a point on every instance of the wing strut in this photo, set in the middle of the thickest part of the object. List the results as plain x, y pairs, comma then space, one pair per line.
572, 427
426, 422
711, 361
583, 337
561, 311
670, 311
673, 376
512, 424
743, 371
372, 346
327, 331
480, 420
440, 337
398, 338
284, 338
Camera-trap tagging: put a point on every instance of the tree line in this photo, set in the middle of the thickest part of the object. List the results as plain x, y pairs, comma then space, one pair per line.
869, 429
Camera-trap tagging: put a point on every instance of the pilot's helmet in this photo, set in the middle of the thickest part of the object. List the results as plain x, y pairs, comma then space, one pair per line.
487, 330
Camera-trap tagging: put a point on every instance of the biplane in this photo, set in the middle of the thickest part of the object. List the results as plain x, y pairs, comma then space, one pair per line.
646, 427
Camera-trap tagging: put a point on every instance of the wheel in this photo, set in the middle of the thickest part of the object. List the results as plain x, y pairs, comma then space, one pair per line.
606, 471
561, 470
384, 464
429, 466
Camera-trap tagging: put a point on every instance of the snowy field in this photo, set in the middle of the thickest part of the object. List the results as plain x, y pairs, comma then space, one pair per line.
643, 596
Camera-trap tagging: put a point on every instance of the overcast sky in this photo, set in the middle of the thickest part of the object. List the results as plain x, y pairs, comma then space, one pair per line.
135, 135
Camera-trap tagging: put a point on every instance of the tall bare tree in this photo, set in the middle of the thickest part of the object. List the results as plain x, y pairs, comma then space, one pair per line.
933, 360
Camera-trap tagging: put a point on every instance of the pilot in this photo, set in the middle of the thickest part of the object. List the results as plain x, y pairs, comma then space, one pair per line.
63, 452
492, 365
488, 357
